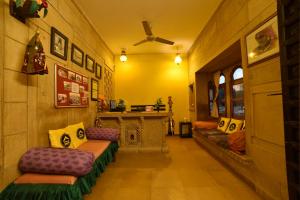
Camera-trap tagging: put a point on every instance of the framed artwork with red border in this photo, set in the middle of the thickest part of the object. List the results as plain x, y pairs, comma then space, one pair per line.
71, 88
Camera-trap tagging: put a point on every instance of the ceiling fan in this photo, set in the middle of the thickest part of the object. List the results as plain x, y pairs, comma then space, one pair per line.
150, 37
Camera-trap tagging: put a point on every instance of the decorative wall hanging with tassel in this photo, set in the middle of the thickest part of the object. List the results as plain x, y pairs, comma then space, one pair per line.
35, 58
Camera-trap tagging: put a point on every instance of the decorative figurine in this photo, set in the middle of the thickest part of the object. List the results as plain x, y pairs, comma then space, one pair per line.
171, 120
23, 9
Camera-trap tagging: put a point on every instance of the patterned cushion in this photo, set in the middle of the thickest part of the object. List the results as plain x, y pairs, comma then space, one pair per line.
223, 124
244, 125
57, 161
60, 138
234, 126
111, 134
237, 141
78, 134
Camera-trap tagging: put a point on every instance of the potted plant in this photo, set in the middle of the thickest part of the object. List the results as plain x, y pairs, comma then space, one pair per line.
158, 104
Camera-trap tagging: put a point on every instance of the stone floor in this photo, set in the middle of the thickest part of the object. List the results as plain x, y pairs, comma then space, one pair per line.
187, 172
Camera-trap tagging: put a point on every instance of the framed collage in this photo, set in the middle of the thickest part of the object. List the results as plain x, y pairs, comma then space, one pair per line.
71, 88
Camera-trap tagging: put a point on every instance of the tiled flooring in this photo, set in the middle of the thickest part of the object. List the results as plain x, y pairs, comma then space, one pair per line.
187, 172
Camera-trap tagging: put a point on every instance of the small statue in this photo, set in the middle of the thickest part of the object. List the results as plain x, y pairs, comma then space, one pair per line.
171, 120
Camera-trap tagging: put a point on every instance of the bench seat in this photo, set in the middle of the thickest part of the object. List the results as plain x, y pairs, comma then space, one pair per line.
31, 186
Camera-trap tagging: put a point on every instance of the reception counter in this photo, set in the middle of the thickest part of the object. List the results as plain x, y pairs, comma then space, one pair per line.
140, 131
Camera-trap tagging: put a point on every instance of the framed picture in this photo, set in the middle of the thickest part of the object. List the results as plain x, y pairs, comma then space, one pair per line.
263, 41
59, 44
94, 89
71, 88
77, 55
89, 63
98, 71
112, 105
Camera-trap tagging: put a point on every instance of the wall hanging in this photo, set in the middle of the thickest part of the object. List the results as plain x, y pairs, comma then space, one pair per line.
71, 88
23, 9
35, 59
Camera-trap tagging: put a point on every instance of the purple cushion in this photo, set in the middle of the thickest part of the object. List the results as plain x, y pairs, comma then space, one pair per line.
111, 134
57, 161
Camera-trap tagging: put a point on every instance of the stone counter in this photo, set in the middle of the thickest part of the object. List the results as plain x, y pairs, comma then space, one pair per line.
140, 131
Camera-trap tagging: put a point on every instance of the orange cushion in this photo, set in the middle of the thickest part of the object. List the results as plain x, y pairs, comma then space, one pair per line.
30, 178
205, 124
97, 147
237, 141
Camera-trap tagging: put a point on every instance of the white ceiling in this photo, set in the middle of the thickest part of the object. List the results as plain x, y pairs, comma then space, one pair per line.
119, 22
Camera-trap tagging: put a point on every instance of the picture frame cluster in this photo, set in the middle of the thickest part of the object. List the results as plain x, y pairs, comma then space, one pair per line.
59, 48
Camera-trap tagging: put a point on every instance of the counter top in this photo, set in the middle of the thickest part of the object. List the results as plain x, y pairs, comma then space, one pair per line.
132, 114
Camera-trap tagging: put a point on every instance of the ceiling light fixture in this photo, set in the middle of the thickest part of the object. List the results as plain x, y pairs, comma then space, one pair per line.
178, 59
123, 56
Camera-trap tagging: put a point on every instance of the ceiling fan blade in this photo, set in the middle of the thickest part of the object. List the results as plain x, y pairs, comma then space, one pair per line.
147, 28
141, 42
161, 40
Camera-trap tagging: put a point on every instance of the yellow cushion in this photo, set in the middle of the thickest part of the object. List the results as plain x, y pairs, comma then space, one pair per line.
234, 126
60, 138
223, 124
78, 132
244, 125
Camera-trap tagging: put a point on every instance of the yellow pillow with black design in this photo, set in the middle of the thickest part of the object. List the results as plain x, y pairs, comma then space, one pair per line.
78, 132
223, 123
244, 125
234, 126
60, 138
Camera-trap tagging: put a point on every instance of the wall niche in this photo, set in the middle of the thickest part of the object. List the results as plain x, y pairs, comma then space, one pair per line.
224, 62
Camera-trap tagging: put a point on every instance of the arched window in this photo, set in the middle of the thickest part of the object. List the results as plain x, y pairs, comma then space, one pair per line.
222, 96
211, 95
237, 94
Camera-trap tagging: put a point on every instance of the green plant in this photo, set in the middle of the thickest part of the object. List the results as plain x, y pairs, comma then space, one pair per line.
158, 103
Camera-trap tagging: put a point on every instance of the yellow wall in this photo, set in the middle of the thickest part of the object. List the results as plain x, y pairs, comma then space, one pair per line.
232, 21
28, 100
144, 78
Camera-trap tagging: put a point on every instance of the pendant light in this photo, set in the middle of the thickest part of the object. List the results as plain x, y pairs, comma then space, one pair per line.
178, 59
123, 56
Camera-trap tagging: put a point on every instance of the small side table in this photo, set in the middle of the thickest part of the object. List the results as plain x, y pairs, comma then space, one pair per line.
185, 129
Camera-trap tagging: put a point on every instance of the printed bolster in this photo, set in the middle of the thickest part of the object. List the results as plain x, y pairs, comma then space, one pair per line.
111, 134
57, 161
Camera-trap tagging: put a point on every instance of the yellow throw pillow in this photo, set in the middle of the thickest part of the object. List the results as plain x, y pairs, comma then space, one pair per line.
244, 125
60, 138
78, 132
234, 126
223, 124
